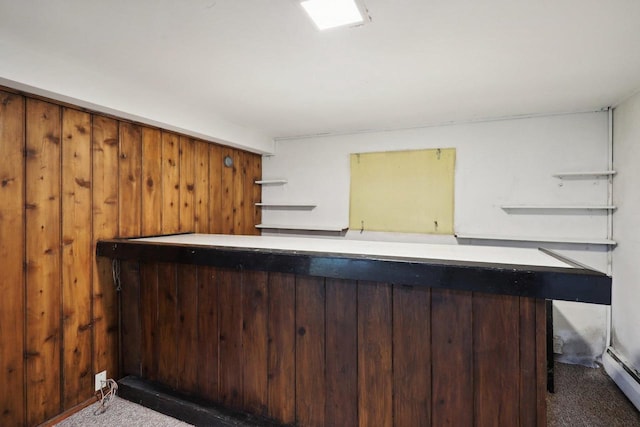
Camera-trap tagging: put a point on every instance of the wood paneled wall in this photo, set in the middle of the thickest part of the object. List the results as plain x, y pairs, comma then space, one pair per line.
67, 179
314, 351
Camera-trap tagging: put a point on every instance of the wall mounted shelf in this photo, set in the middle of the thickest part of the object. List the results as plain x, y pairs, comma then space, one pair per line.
585, 174
302, 206
559, 207
271, 181
302, 227
570, 240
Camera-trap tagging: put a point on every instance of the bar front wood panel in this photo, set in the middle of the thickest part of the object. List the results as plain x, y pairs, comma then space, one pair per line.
315, 351
68, 178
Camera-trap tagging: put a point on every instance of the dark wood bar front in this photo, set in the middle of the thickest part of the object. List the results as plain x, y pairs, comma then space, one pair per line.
278, 334
317, 351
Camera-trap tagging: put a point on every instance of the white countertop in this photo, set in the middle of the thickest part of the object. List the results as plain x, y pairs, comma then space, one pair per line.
483, 254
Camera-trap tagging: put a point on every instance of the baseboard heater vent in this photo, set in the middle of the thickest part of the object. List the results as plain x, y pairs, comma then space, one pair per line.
184, 408
627, 378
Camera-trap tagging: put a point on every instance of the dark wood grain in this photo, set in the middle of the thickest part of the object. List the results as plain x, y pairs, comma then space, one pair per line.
282, 347
76, 257
541, 362
310, 351
187, 330
149, 320
43, 281
131, 318
12, 243
527, 369
451, 358
167, 325
255, 302
231, 356
496, 342
208, 333
375, 380
411, 356
341, 353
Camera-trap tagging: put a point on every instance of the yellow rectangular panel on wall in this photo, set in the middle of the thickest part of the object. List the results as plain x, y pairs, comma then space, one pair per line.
403, 191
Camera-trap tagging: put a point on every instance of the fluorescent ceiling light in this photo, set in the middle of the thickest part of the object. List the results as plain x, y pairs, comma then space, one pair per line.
333, 13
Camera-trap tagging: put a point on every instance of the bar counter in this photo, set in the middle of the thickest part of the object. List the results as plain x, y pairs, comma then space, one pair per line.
343, 333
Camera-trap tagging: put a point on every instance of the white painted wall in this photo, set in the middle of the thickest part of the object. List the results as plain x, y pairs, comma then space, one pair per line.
626, 268
66, 80
497, 162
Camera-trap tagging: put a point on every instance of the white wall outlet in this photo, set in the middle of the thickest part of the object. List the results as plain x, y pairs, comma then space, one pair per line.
101, 380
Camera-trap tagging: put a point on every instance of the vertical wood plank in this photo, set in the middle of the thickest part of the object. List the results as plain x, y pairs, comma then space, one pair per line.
151, 182
208, 335
131, 321
411, 356
149, 320
12, 244
170, 183
248, 206
215, 189
255, 301
528, 415
310, 351
375, 382
256, 175
282, 346
341, 353
496, 343
541, 362
43, 291
130, 172
230, 321
451, 358
201, 195
187, 352
104, 137
227, 196
167, 324
187, 185
76, 257
239, 174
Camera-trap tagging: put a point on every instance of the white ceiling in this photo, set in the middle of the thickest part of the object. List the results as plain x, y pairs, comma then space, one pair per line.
262, 65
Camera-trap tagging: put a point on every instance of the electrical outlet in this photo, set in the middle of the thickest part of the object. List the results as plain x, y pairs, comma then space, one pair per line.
101, 380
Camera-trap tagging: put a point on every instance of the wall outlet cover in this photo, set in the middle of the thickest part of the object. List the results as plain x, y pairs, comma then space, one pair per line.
101, 380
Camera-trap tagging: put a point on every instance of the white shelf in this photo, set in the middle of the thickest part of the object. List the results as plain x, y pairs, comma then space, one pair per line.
303, 227
271, 181
585, 174
537, 239
287, 205
557, 207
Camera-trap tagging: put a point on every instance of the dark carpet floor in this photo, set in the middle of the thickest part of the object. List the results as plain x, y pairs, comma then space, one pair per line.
587, 397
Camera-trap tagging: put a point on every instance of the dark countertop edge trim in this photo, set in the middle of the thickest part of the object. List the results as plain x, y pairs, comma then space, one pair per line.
568, 284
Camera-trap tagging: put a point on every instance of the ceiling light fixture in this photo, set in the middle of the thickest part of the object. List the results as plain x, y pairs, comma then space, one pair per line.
335, 13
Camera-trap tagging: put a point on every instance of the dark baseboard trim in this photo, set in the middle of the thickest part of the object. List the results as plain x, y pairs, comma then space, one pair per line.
184, 408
